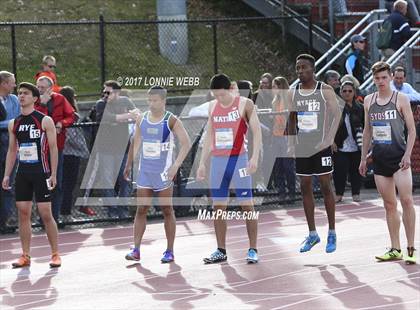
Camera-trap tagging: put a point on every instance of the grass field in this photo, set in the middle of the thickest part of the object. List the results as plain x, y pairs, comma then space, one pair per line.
245, 49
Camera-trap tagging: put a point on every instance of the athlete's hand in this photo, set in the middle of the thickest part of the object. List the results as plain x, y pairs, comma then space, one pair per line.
172, 172
6, 183
334, 148
405, 162
52, 181
134, 113
363, 168
252, 165
201, 172
127, 173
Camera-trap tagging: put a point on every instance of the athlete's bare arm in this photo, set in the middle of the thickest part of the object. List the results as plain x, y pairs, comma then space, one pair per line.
184, 140
291, 122
254, 124
207, 143
49, 127
367, 136
403, 106
333, 109
134, 147
11, 157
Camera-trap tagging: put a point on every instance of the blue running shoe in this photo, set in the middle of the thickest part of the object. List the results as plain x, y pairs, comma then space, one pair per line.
215, 257
134, 254
309, 242
252, 257
331, 243
168, 256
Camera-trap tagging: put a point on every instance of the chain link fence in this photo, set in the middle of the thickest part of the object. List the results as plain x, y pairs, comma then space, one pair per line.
137, 52
189, 196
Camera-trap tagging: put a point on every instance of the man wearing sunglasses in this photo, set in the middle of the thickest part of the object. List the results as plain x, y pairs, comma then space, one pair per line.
113, 111
355, 60
48, 66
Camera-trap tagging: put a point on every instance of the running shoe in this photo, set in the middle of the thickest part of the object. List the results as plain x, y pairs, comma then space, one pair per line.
55, 260
390, 255
168, 256
331, 243
23, 261
252, 257
309, 242
410, 259
215, 257
134, 254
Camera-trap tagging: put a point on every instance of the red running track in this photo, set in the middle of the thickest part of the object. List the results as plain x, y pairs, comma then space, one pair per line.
95, 274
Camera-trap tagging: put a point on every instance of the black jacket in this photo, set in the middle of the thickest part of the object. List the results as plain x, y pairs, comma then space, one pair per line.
357, 119
401, 30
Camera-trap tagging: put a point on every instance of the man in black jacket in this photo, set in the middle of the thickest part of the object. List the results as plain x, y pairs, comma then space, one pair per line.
400, 28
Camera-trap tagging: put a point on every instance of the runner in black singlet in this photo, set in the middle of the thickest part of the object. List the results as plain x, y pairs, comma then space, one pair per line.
32, 137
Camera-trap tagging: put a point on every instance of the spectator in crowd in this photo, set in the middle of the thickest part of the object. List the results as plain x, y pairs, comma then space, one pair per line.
351, 78
245, 88
9, 104
399, 84
263, 99
263, 96
284, 167
347, 144
413, 9
332, 78
60, 110
400, 28
355, 59
113, 111
75, 149
48, 66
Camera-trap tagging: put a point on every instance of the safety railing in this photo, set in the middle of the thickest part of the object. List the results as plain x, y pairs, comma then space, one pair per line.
368, 84
346, 37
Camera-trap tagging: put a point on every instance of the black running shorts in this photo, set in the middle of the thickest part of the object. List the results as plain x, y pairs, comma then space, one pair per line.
318, 164
28, 184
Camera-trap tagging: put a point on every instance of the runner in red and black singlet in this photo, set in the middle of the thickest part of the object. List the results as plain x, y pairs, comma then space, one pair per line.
32, 137
225, 154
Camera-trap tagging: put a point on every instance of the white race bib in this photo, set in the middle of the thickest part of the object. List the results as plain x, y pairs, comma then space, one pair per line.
28, 153
224, 138
382, 133
243, 172
151, 149
326, 161
307, 121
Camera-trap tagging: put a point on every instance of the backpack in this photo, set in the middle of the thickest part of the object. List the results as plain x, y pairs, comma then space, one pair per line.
384, 35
